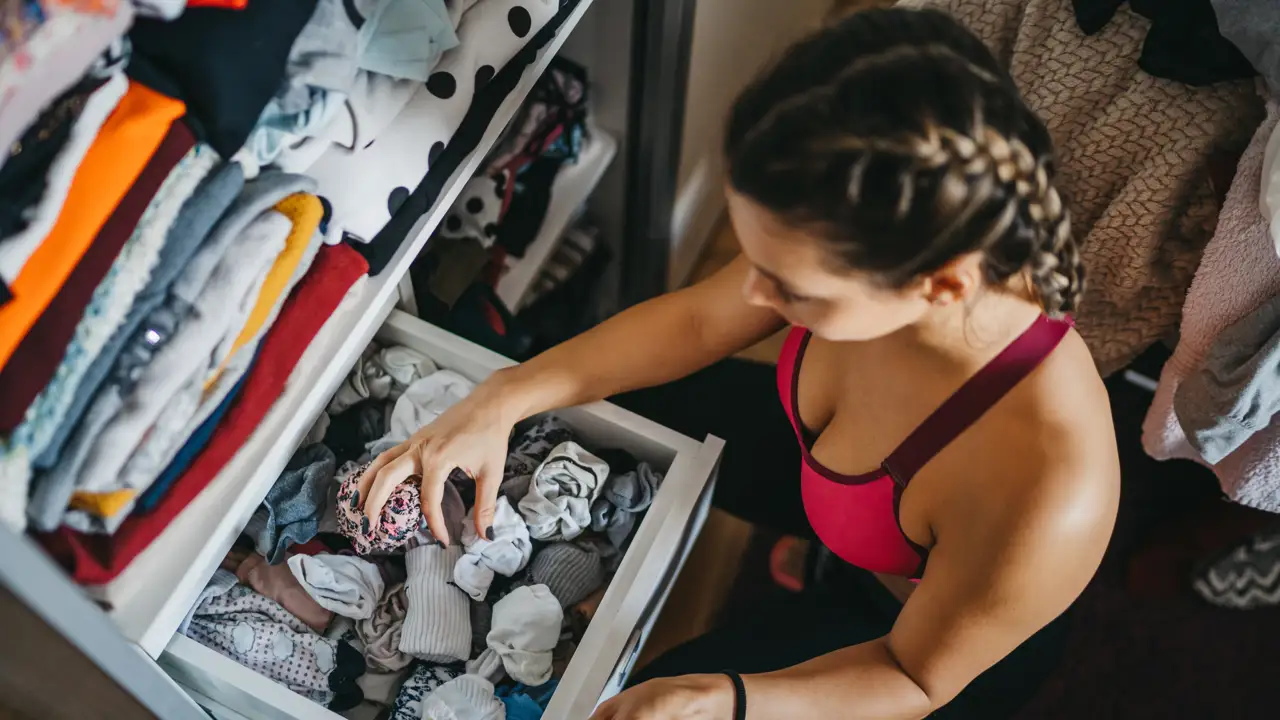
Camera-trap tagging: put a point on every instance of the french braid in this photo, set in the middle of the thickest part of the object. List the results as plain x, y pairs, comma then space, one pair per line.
914, 148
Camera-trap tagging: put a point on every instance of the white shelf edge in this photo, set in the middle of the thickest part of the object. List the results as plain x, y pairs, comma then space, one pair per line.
569, 192
152, 595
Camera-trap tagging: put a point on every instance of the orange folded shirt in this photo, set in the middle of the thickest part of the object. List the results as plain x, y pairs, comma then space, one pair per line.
122, 149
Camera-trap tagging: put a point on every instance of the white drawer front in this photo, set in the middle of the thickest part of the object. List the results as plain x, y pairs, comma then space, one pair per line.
630, 606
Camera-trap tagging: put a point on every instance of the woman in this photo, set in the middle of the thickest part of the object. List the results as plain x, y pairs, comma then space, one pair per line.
895, 203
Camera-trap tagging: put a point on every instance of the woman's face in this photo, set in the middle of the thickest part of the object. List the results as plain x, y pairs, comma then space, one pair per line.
792, 273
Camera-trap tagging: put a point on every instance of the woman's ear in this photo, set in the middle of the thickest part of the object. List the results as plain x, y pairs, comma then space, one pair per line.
958, 280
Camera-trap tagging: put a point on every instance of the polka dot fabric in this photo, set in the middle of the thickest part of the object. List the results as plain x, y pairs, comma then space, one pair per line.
477, 211
490, 34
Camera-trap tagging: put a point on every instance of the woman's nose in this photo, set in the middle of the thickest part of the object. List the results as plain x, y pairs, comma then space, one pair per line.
755, 291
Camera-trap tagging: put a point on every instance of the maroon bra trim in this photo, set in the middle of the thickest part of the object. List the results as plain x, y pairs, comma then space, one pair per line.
956, 414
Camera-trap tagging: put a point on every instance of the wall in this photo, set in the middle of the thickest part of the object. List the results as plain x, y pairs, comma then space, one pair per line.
732, 41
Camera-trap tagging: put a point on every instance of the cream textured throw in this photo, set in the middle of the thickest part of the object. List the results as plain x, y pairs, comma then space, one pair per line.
1132, 152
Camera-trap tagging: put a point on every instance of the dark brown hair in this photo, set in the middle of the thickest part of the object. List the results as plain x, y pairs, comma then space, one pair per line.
896, 136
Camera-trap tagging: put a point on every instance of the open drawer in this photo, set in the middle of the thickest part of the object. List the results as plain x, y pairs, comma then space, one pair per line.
630, 606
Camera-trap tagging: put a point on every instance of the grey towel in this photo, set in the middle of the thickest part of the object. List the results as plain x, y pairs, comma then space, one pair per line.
290, 514
1237, 390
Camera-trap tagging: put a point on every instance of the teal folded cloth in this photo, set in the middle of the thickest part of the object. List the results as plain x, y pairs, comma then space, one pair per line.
405, 38
524, 702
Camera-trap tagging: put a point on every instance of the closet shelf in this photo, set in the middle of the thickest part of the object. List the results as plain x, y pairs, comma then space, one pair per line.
569, 193
149, 599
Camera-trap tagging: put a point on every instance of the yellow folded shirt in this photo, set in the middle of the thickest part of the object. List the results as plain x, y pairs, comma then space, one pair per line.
103, 504
305, 211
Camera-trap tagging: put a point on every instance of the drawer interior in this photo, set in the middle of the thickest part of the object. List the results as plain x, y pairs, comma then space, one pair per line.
634, 595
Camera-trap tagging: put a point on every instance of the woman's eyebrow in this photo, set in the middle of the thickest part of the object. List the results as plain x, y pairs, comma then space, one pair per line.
782, 284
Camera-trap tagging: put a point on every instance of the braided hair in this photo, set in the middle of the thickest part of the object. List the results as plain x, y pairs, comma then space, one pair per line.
898, 138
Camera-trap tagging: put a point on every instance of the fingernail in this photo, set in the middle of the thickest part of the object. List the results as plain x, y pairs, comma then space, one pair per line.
364, 523
488, 533
355, 499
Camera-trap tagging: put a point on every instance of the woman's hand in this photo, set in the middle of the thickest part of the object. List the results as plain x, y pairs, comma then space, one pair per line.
688, 697
471, 435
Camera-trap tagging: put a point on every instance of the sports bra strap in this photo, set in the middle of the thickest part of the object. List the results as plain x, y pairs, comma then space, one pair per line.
976, 397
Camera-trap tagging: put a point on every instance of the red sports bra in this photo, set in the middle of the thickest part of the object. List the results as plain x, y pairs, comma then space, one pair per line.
856, 516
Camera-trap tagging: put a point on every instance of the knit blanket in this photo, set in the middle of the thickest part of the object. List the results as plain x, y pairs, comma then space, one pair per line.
1132, 154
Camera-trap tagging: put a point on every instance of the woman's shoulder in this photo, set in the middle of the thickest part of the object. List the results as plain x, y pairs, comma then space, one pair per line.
1048, 447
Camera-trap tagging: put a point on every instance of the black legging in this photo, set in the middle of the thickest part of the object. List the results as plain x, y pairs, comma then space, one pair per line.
759, 482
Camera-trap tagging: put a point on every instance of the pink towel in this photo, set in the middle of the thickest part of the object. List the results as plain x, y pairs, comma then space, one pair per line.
1238, 272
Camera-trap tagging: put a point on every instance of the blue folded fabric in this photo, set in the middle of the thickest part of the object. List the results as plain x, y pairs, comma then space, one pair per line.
290, 513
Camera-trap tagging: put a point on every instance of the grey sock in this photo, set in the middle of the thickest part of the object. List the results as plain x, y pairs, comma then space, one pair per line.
437, 623
569, 570
622, 501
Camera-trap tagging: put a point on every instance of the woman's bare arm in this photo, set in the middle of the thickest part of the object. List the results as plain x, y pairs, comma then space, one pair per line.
656, 341
994, 578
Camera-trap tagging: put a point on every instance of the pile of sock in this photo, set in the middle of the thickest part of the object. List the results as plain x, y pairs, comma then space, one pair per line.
481, 628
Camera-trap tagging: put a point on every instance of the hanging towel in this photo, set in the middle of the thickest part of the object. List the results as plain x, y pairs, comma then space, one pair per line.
1240, 271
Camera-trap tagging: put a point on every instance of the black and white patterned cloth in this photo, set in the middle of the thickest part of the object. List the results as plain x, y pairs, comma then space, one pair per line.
1246, 576
366, 185
423, 681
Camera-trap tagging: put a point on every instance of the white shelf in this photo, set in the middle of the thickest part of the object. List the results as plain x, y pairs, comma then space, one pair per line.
152, 595
569, 192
